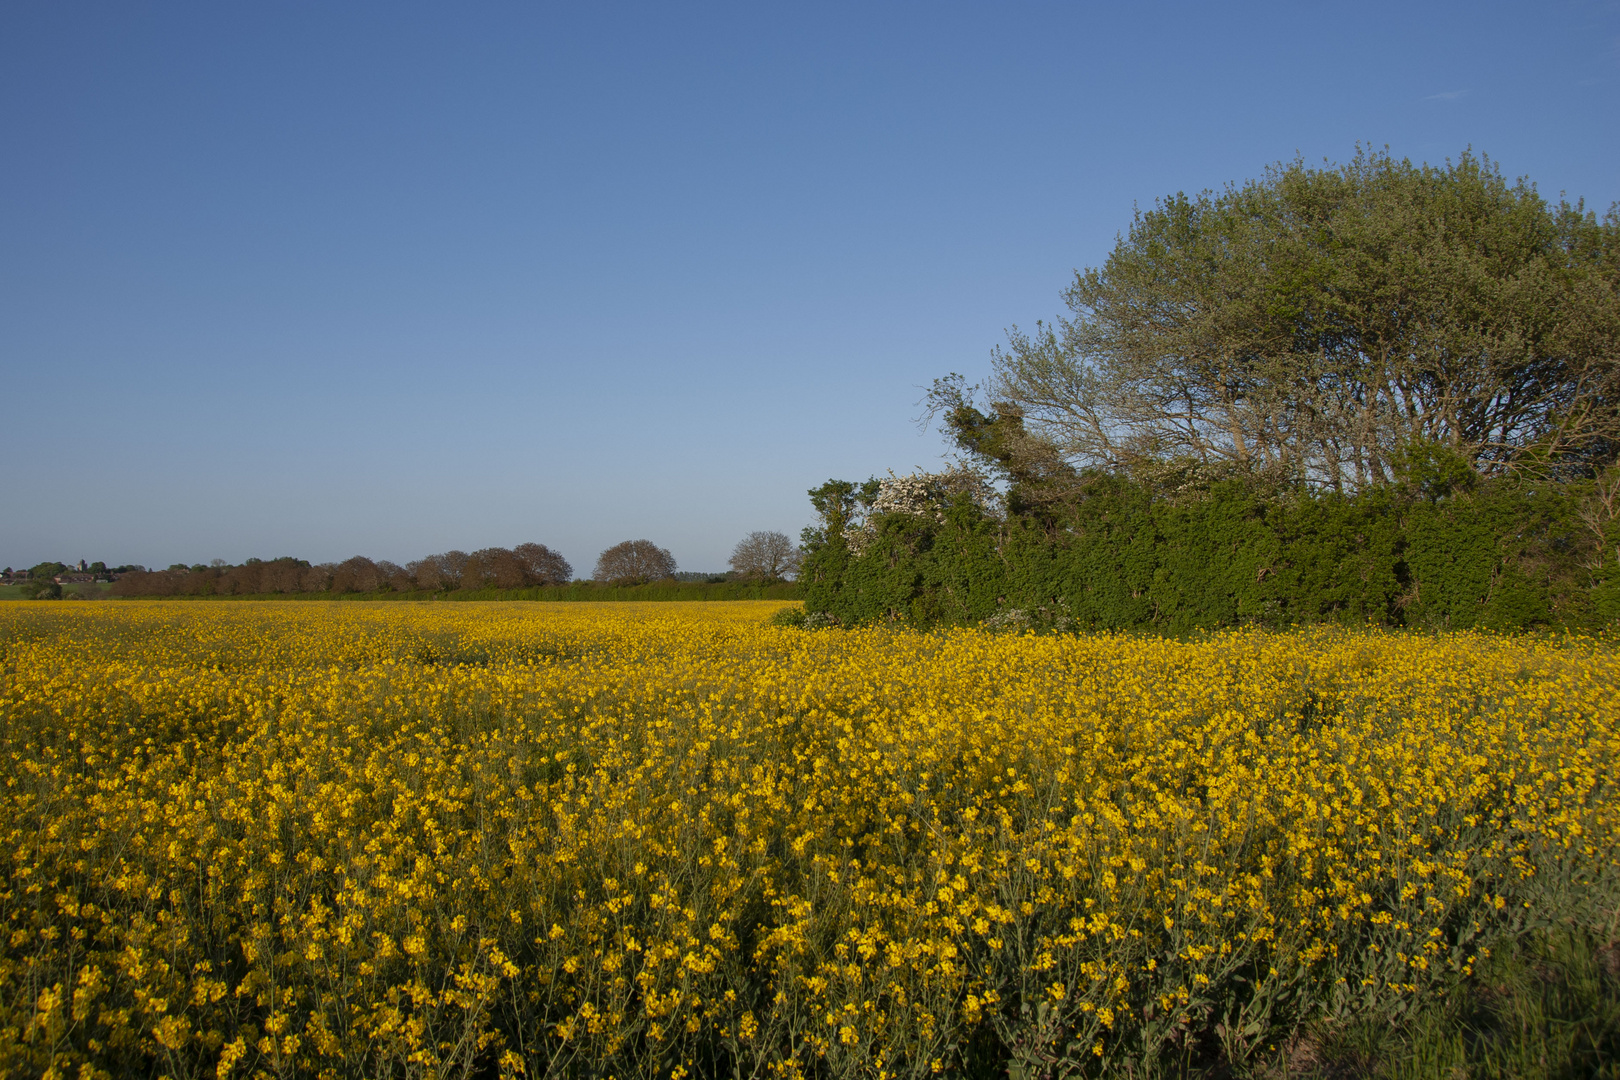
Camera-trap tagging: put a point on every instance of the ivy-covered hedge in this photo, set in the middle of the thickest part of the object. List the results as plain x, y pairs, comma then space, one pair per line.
1500, 557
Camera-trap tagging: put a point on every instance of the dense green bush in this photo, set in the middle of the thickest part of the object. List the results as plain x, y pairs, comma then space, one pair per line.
1122, 555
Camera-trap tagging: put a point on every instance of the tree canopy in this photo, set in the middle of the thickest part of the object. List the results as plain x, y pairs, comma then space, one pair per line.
634, 561
1337, 326
765, 556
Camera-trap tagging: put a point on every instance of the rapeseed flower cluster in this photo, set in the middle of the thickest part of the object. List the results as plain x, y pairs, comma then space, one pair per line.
276, 840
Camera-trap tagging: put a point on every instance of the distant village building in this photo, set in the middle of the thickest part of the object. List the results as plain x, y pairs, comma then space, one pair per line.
83, 575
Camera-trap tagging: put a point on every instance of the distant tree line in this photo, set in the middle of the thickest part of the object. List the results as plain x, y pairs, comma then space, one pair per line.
1370, 392
487, 568
761, 558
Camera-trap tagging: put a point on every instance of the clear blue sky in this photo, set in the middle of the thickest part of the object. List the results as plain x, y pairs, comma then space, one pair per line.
334, 279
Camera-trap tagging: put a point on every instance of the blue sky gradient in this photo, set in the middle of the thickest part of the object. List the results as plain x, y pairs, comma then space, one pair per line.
335, 279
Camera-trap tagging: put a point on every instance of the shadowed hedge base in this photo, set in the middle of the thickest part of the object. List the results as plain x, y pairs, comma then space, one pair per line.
1547, 1005
1122, 557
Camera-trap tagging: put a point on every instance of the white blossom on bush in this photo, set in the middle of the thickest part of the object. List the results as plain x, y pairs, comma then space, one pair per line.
1056, 619
924, 495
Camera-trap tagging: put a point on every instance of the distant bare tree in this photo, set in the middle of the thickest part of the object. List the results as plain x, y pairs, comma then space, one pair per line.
199, 582
240, 580
358, 574
395, 576
765, 556
281, 575
493, 568
634, 561
439, 571
316, 578
425, 573
451, 565
542, 565
479, 570
135, 583
505, 569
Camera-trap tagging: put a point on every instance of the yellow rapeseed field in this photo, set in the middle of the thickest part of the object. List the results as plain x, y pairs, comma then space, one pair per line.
346, 839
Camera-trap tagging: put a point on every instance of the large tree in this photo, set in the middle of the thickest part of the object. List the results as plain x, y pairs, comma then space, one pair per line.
394, 576
634, 561
543, 565
493, 568
438, 571
358, 574
1328, 324
765, 556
